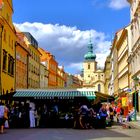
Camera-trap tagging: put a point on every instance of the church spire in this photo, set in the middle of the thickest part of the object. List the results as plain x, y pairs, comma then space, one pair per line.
90, 55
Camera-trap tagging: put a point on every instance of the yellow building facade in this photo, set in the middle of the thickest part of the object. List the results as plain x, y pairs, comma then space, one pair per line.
107, 71
61, 77
123, 69
34, 62
123, 73
114, 66
7, 48
134, 57
120, 68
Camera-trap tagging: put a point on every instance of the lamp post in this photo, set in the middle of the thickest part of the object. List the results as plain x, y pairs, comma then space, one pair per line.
136, 79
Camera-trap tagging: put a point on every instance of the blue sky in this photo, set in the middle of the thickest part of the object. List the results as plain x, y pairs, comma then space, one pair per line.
63, 26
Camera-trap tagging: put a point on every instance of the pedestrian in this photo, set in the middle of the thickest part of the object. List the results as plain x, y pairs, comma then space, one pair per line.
32, 118
103, 115
117, 113
111, 114
2, 119
121, 115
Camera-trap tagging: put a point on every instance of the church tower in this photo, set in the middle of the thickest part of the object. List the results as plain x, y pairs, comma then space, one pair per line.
92, 76
89, 64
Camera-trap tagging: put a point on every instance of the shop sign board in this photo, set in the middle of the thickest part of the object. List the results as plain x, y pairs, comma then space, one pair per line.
124, 101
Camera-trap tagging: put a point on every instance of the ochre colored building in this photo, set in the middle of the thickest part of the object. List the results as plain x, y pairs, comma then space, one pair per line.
7, 48
22, 61
52, 66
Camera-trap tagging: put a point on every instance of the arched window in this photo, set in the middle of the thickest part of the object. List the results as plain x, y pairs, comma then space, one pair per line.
99, 88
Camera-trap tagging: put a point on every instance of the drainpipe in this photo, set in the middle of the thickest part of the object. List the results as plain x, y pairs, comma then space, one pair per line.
1, 30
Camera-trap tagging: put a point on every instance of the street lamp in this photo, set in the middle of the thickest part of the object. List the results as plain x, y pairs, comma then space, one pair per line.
136, 79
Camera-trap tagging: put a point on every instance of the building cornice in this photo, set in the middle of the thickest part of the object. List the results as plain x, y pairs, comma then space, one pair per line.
130, 1
121, 39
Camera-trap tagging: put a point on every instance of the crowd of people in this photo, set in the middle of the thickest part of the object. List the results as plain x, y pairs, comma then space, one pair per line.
29, 115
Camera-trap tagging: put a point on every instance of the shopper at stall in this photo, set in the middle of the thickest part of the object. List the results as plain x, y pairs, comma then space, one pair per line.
32, 118
103, 115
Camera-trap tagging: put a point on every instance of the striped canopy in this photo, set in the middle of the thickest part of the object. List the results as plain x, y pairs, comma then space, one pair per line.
51, 93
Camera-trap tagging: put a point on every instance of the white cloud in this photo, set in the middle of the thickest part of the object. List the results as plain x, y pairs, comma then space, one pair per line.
67, 44
118, 4
113, 4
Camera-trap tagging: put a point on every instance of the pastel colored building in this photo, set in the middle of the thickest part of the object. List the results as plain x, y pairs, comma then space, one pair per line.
22, 62
7, 48
134, 57
44, 75
61, 77
52, 66
73, 81
107, 71
34, 62
123, 68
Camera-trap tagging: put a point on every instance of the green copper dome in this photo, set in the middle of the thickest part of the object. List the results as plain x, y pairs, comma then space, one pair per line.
90, 55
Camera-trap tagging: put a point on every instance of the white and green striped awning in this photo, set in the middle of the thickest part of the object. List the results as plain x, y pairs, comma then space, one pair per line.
60, 93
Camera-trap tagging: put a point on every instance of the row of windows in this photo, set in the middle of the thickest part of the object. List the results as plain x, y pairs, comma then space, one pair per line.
21, 58
34, 56
11, 63
52, 78
53, 67
33, 69
33, 83
43, 76
99, 76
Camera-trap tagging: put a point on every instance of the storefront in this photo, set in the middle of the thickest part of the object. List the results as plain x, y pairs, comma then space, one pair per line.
121, 101
59, 103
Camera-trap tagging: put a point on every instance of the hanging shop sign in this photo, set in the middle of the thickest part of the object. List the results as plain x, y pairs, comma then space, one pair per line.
124, 101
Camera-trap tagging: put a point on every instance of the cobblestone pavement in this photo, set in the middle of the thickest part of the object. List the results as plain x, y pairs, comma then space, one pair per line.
113, 133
